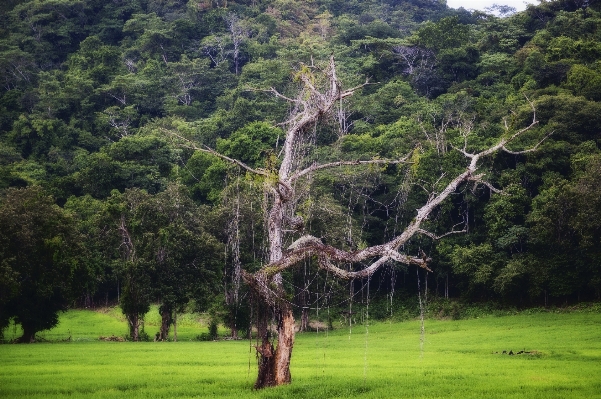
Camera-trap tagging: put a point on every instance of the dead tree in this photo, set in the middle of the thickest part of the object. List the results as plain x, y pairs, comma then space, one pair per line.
238, 35
414, 58
317, 98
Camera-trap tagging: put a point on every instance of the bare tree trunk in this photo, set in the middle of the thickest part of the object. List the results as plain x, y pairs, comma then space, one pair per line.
134, 327
238, 35
174, 326
274, 363
446, 287
266, 373
304, 326
165, 324
234, 329
28, 336
302, 295
283, 353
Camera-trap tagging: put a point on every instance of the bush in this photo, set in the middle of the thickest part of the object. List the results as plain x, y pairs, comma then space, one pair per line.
213, 329
203, 337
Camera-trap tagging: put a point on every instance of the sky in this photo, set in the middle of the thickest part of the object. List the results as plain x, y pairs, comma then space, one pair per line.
519, 5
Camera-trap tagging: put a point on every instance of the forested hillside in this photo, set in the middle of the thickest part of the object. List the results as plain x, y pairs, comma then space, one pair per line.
103, 198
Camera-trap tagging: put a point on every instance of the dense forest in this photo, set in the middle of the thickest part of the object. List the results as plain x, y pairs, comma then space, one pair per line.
117, 120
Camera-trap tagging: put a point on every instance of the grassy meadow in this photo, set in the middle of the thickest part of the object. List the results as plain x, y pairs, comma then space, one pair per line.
457, 359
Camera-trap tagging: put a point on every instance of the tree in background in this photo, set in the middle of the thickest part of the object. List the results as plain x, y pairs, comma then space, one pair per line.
133, 266
38, 260
165, 255
188, 259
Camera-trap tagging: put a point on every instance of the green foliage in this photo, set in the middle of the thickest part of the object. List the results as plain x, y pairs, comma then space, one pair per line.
205, 174
91, 92
476, 261
253, 144
391, 101
564, 217
39, 260
585, 82
134, 161
213, 329
93, 223
445, 34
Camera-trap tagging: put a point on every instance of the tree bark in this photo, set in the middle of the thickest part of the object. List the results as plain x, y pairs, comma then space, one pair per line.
265, 349
302, 295
274, 363
174, 326
304, 326
134, 327
166, 321
233, 329
28, 336
283, 352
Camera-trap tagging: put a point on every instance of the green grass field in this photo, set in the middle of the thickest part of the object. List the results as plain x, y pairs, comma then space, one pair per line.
457, 359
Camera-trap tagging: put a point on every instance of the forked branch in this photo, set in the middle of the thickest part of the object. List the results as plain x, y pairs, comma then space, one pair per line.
329, 257
448, 233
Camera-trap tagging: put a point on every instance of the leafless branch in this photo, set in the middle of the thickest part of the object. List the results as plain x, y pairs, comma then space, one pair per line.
276, 93
435, 237
478, 180
127, 242
315, 167
121, 99
190, 144
309, 246
532, 149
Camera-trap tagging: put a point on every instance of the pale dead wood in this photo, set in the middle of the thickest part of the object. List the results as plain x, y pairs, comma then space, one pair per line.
315, 167
448, 233
184, 142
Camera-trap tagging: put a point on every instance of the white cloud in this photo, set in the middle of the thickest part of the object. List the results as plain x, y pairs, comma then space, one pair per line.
519, 5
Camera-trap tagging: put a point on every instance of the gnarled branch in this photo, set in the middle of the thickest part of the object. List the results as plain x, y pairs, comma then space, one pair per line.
308, 246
